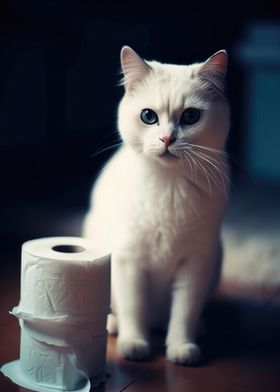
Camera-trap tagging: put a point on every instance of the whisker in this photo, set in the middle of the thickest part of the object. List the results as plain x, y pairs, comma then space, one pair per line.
211, 149
106, 149
207, 174
197, 165
221, 167
220, 164
235, 161
189, 160
220, 184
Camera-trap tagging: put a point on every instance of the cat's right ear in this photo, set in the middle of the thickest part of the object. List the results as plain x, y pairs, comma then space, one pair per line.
134, 68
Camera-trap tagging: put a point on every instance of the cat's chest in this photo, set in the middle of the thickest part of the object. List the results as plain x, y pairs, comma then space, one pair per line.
162, 219
166, 205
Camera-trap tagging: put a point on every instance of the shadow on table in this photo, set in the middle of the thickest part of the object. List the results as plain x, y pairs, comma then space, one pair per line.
242, 328
235, 327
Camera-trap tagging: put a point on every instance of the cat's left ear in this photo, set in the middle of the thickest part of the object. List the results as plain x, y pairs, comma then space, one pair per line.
213, 71
217, 63
134, 68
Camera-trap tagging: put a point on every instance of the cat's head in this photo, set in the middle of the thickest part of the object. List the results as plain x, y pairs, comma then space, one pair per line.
167, 109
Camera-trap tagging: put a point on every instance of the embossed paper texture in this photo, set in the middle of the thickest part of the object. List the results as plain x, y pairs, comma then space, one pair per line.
65, 299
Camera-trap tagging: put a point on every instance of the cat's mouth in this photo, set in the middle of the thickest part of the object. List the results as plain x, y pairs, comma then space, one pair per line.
168, 155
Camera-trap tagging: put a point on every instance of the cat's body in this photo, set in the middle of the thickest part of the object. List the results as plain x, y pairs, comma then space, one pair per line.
155, 208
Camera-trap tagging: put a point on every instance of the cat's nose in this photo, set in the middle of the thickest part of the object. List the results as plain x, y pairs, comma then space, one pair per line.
167, 140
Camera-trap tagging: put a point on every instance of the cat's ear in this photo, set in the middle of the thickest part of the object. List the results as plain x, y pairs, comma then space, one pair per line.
218, 61
134, 68
216, 64
214, 69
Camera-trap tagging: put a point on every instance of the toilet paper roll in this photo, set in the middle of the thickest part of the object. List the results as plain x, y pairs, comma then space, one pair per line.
65, 298
63, 279
53, 363
49, 364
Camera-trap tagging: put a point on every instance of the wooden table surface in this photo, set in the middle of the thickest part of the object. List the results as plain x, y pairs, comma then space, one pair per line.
241, 346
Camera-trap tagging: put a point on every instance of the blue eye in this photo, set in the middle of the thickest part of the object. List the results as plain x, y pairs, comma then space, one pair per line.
148, 116
190, 116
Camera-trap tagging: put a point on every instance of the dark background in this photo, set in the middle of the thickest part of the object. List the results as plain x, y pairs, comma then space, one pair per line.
59, 69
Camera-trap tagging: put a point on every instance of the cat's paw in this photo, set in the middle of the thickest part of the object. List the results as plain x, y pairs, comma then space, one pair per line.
184, 354
112, 324
134, 349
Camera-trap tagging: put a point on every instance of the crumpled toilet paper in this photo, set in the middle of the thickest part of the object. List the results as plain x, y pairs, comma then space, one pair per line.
64, 303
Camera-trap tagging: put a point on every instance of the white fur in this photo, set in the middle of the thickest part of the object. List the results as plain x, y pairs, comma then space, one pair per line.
159, 214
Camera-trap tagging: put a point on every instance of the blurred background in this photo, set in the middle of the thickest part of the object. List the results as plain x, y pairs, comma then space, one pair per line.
59, 69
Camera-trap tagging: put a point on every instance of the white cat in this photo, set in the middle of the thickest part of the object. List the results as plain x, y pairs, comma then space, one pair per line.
158, 204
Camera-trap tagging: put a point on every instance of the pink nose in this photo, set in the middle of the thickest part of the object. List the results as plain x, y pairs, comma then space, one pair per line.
167, 140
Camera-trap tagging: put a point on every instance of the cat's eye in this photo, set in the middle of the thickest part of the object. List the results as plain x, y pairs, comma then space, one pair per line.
149, 116
190, 116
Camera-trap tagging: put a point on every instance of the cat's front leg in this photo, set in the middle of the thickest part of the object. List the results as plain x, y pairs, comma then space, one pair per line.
190, 289
129, 297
